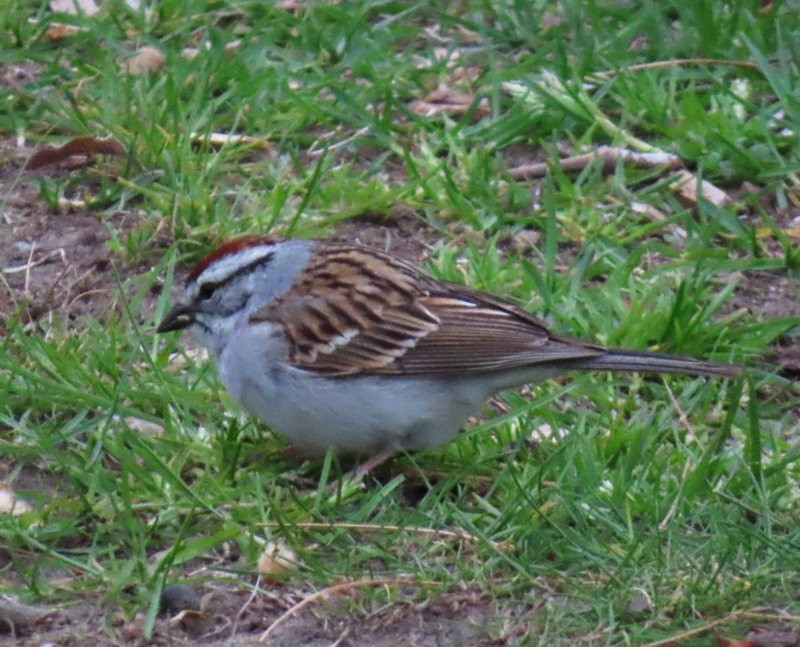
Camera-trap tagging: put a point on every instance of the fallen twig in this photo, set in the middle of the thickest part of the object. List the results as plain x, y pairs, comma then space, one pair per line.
610, 156
652, 65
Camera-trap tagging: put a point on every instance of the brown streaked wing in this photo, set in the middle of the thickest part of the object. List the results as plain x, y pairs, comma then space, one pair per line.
353, 311
403, 322
477, 335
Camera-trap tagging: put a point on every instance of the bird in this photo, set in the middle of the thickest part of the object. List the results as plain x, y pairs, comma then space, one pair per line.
344, 347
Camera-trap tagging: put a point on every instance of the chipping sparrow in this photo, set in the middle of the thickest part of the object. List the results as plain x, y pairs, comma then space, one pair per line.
347, 347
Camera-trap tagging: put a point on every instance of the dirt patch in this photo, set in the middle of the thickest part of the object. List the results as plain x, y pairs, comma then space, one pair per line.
219, 614
16, 75
56, 263
767, 295
400, 232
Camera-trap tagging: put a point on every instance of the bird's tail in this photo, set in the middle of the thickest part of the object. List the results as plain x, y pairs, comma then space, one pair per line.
645, 362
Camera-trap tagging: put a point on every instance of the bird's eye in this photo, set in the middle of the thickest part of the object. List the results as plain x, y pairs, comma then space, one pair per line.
206, 290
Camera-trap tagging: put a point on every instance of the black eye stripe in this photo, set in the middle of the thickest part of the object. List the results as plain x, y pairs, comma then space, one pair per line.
206, 289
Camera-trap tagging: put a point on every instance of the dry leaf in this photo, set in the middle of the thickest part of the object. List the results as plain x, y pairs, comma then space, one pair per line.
276, 558
525, 239
458, 75
10, 504
445, 100
84, 146
727, 642
289, 5
648, 210
686, 186
75, 7
6, 498
450, 57
466, 74
147, 59
58, 30
434, 32
141, 425
233, 45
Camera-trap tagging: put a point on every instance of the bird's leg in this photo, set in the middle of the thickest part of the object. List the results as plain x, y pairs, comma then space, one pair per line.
374, 461
363, 469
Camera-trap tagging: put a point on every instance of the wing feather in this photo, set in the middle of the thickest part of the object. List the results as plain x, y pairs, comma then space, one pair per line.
402, 322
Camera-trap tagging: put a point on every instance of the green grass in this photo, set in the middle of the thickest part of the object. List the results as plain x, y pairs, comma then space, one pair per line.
684, 488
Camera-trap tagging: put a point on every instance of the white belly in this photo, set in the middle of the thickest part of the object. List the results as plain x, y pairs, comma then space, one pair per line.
358, 414
353, 414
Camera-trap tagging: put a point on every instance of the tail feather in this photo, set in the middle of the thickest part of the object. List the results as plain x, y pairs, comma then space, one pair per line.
643, 361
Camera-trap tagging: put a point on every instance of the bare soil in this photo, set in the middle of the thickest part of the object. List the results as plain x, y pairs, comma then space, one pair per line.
55, 262
220, 615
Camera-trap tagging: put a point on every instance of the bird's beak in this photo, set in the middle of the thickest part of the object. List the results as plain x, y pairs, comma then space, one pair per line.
180, 317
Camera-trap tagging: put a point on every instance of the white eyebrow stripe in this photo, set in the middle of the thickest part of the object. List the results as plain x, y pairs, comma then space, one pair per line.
224, 268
